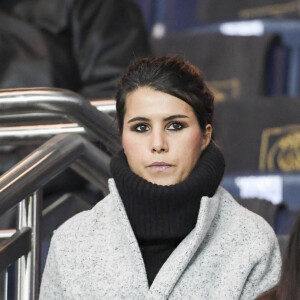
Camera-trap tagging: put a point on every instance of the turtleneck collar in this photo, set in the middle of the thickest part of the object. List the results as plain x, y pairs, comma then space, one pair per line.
160, 212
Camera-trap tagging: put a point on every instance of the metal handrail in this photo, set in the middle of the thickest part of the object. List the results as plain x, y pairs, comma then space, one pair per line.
107, 106
49, 160
54, 103
14, 247
24, 181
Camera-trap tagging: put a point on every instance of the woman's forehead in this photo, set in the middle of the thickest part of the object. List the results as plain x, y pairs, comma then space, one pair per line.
147, 101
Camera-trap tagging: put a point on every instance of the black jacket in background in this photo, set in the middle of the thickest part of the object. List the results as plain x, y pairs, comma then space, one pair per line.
81, 45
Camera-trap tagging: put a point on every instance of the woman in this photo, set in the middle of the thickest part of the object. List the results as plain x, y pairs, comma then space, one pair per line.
288, 288
166, 230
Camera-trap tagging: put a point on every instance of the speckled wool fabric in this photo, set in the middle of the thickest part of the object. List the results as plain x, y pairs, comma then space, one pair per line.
231, 254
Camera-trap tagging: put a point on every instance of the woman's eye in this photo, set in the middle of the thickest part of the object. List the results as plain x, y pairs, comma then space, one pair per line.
141, 127
175, 126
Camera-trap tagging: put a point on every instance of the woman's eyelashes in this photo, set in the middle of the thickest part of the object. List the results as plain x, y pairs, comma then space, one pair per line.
172, 126
141, 127
175, 126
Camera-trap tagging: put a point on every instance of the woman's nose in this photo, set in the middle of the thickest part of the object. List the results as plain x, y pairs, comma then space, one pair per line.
159, 142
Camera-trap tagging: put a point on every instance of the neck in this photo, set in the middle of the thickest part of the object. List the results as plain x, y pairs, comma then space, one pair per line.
152, 199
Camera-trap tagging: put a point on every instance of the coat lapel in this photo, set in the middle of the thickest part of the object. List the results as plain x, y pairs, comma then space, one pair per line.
133, 247
175, 265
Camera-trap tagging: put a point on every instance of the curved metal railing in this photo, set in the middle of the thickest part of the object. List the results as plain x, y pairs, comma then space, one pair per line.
21, 110
24, 181
49, 160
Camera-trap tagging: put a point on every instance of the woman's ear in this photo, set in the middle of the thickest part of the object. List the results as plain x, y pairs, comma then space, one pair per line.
207, 134
122, 145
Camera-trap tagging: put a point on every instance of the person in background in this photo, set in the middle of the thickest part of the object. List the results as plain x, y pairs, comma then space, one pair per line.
288, 288
81, 45
167, 230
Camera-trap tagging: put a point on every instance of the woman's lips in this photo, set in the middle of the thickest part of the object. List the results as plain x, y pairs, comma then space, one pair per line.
160, 166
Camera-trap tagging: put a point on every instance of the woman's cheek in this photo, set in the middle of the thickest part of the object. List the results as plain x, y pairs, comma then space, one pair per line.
193, 139
131, 144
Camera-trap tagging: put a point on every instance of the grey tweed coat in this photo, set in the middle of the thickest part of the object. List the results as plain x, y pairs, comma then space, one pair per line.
230, 254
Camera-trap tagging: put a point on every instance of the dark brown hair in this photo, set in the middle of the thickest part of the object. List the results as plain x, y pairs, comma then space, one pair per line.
172, 75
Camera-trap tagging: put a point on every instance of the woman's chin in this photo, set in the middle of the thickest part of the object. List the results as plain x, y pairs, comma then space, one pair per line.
163, 181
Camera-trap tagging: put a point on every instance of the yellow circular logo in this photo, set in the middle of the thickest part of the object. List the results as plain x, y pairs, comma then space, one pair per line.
284, 154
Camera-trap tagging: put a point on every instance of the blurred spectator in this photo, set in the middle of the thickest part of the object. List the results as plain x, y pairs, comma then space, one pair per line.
288, 287
81, 45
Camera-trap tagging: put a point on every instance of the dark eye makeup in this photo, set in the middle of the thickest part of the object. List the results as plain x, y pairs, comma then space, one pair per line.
171, 126
140, 127
175, 126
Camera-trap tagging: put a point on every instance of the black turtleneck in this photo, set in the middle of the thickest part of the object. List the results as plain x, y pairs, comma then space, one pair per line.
162, 216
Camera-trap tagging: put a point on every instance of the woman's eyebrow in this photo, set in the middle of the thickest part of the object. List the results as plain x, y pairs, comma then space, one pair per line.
166, 119
138, 119
175, 117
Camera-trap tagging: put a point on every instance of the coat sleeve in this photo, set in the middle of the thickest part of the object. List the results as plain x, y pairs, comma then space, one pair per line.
266, 272
106, 36
51, 284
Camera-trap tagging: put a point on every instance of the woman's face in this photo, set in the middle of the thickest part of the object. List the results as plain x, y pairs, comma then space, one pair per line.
161, 137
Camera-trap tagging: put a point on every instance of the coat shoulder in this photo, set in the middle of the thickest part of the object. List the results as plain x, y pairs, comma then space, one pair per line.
84, 222
246, 223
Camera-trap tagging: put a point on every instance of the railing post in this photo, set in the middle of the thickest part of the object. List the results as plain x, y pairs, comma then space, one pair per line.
4, 234
28, 266
3, 285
